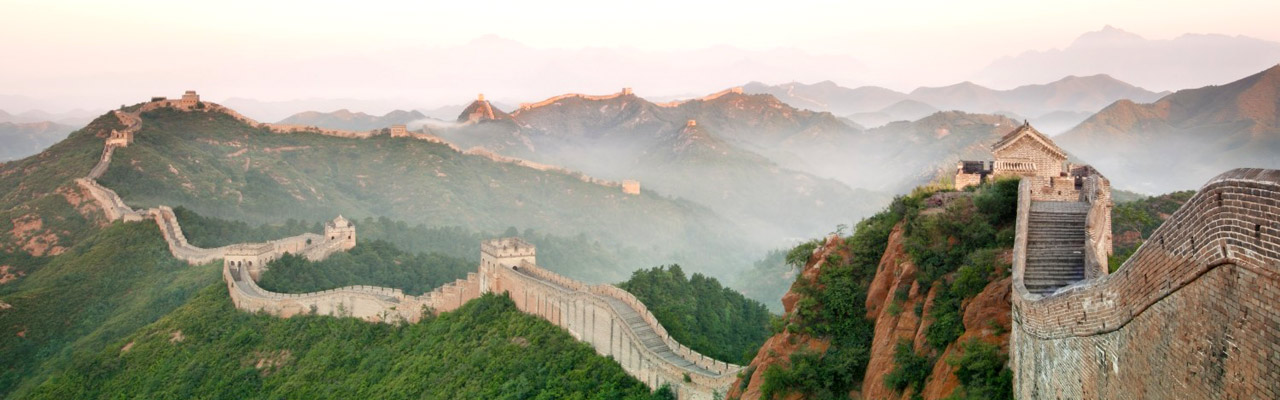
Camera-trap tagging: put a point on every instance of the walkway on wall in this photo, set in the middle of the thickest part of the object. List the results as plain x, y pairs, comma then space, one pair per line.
647, 335
1055, 245
650, 338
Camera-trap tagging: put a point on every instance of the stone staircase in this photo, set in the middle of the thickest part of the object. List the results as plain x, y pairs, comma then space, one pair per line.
1055, 245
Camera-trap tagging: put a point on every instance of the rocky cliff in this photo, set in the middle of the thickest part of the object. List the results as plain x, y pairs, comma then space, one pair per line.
903, 355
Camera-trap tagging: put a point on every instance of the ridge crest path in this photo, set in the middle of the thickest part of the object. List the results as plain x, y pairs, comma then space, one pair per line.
643, 347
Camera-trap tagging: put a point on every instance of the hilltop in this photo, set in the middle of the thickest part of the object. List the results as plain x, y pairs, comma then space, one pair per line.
353, 121
1049, 102
219, 165
26, 138
727, 140
1183, 139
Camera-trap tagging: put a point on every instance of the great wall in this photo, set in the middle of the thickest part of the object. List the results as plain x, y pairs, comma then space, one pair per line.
613, 321
1192, 314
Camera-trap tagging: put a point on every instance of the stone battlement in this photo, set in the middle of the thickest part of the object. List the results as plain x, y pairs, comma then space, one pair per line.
1190, 315
508, 247
553, 100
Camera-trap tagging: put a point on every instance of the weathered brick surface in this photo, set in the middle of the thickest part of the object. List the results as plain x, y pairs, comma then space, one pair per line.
1195, 313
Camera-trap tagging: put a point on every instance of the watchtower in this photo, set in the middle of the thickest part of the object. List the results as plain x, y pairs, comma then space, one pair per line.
189, 99
480, 97
631, 187
120, 138
399, 131
341, 230
250, 258
626, 91
504, 253
691, 123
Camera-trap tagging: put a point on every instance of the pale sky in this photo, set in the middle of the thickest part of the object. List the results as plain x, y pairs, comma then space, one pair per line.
95, 51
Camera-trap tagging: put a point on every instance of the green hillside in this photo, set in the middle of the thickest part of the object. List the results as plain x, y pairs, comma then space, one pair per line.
208, 349
111, 284
65, 322
220, 167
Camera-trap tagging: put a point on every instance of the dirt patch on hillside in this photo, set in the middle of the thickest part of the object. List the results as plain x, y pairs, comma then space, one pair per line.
126, 347
5, 306
177, 337
268, 362
7, 275
83, 203
520, 341
28, 231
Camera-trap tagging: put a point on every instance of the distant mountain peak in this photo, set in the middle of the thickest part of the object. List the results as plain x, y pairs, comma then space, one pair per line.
481, 110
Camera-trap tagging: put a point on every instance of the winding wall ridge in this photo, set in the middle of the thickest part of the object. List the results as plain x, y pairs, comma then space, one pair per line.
601, 316
1194, 313
558, 299
552, 100
713, 96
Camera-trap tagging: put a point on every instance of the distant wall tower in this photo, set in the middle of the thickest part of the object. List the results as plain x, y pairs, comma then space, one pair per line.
189, 99
399, 131
341, 230
480, 97
631, 187
120, 138
503, 253
626, 91
691, 123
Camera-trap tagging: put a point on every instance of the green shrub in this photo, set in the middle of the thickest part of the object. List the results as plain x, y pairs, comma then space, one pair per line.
909, 368
983, 372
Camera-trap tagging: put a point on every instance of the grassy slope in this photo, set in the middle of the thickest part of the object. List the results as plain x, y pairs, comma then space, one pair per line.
192, 159
30, 187
487, 349
109, 285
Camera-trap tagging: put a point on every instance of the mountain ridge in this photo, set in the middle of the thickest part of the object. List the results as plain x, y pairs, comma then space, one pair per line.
1193, 132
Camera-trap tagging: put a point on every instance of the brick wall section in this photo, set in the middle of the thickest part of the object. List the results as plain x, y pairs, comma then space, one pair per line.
1195, 313
1027, 149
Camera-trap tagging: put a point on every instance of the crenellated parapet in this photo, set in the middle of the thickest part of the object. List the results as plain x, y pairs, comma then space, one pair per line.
1192, 314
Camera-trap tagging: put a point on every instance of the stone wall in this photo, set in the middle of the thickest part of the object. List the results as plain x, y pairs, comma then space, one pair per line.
613, 321
713, 96
594, 314
1194, 313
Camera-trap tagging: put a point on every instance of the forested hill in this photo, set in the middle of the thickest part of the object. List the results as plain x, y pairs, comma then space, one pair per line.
115, 316
218, 166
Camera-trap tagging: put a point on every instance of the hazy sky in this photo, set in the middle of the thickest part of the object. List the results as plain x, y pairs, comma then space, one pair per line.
96, 51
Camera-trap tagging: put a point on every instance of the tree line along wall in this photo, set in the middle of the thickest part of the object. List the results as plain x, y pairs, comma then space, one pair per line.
1194, 313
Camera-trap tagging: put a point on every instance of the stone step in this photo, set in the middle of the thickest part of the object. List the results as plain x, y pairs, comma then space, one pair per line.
1056, 255
1052, 275
1054, 267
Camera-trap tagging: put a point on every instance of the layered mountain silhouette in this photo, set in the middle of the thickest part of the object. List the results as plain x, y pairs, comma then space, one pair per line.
1188, 61
24, 139
1185, 138
1054, 106
708, 150
355, 121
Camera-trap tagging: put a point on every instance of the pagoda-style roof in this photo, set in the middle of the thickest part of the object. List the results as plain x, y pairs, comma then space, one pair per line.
1027, 131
